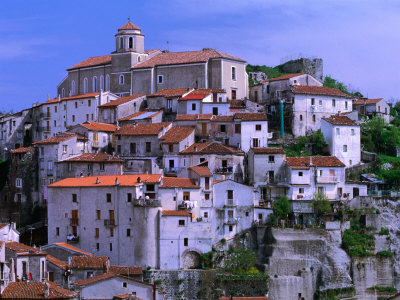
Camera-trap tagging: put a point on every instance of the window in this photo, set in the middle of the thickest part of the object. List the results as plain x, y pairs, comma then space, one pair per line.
65, 148
238, 128
320, 102
85, 85
230, 194
128, 232
111, 231
205, 214
258, 127
129, 197
133, 148
171, 148
222, 128
51, 181
121, 79
300, 174
333, 103
55, 123
385, 110
72, 87
87, 117
101, 83
256, 142
193, 106
301, 117
101, 166
124, 284
233, 94
62, 93
337, 131
90, 167
312, 101
49, 165
215, 111
207, 196
353, 132
344, 148
233, 73
181, 222
98, 214
185, 242
73, 118
110, 247
186, 196
119, 149
18, 183
350, 162
230, 228
313, 118
160, 79
150, 187
131, 42
301, 190
74, 198
97, 246
76, 104
94, 84
96, 232
271, 158
107, 82
55, 108
148, 147
108, 197
121, 43
346, 105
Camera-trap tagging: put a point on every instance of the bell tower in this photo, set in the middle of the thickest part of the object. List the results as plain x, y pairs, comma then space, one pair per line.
129, 39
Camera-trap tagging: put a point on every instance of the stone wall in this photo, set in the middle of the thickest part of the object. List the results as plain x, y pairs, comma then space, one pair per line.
304, 65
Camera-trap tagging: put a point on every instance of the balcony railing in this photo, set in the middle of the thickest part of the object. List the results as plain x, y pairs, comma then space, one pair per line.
74, 221
147, 202
224, 170
230, 221
326, 179
45, 115
230, 203
110, 223
172, 170
264, 204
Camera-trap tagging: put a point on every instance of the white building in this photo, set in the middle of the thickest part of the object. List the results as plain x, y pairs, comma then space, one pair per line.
8, 232
204, 101
114, 110
373, 107
343, 138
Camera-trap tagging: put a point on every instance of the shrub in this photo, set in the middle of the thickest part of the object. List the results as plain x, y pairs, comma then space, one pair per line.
384, 231
385, 254
158, 281
356, 242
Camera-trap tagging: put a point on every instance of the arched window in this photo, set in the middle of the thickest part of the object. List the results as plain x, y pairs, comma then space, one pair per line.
94, 84
85, 85
102, 82
73, 87
130, 42
121, 43
313, 118
62, 93
107, 82
121, 79
138, 58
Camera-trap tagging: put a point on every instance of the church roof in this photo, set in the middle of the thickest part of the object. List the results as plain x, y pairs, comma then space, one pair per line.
92, 61
129, 26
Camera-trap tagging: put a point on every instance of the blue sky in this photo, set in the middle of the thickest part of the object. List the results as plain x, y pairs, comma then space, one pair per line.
358, 40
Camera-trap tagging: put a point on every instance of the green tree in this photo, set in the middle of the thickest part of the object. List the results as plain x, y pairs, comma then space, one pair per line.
371, 134
318, 142
240, 261
321, 205
281, 207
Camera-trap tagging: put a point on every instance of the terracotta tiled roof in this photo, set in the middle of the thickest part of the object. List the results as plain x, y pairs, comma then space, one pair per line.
55, 261
96, 126
251, 117
219, 180
35, 290
193, 97
313, 161
127, 296
3, 225
201, 170
142, 129
126, 270
175, 58
244, 298
95, 279
121, 100
95, 157
170, 93
221, 118
176, 134
129, 26
340, 120
107, 180
172, 182
237, 104
269, 150
22, 150
283, 77
318, 90
211, 148
139, 113
92, 62
200, 94
89, 262
55, 139
367, 101
23, 250
150, 51
194, 117
176, 213
69, 247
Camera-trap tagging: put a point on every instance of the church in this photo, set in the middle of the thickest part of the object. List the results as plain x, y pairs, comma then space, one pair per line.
131, 69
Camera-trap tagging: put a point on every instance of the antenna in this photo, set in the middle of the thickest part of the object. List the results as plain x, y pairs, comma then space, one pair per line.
168, 46
129, 18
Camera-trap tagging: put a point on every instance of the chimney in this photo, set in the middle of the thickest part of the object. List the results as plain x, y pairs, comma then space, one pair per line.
97, 180
59, 98
116, 181
46, 290
139, 180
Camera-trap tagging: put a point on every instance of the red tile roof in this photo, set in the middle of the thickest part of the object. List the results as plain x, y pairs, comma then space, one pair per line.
221, 118
139, 113
201, 170
193, 97
89, 262
127, 297
200, 94
318, 90
22, 150
170, 93
283, 77
179, 182
55, 139
367, 101
2, 225
269, 150
35, 290
237, 104
126, 270
194, 117
92, 62
55, 261
176, 213
94, 157
340, 120
129, 26
69, 247
122, 100
245, 117
211, 148
95, 279
76, 97
176, 134
142, 129
305, 163
23, 250
107, 180
96, 126
175, 58
244, 298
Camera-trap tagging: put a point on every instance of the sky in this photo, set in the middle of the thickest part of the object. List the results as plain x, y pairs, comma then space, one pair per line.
358, 41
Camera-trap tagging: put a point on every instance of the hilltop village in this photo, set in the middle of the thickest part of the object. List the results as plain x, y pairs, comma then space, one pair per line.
166, 175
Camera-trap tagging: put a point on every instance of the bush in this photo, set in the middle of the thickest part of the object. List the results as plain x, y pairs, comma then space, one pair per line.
384, 254
241, 261
356, 242
384, 231
383, 288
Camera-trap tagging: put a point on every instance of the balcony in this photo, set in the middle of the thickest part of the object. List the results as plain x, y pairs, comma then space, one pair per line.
230, 203
224, 170
264, 204
74, 221
72, 239
326, 179
147, 202
110, 223
185, 205
45, 115
50, 172
172, 171
230, 221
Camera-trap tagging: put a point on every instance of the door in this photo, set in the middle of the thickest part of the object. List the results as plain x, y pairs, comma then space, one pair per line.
95, 139
204, 128
356, 192
331, 175
207, 182
111, 215
48, 112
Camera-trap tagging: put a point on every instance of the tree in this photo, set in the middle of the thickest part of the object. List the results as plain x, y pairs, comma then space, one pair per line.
240, 261
321, 205
318, 142
281, 207
371, 134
